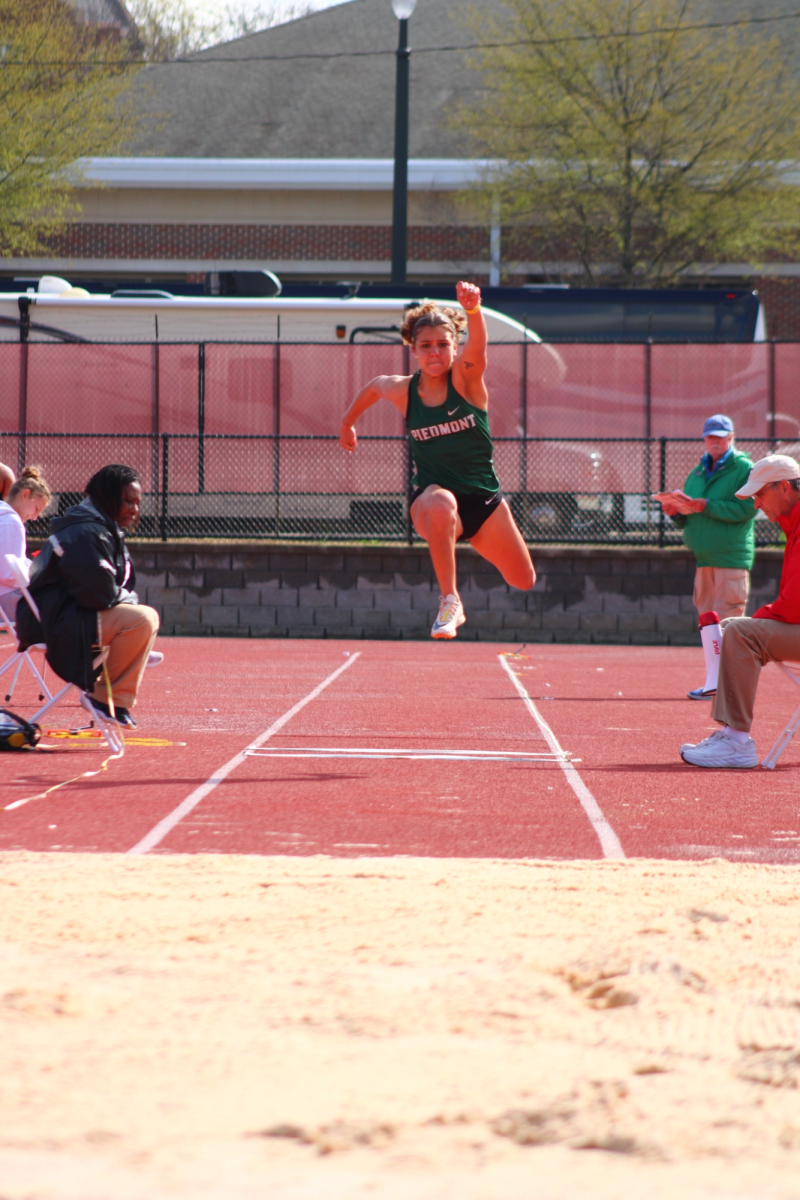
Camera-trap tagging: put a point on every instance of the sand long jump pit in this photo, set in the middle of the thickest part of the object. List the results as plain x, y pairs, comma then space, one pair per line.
239, 1027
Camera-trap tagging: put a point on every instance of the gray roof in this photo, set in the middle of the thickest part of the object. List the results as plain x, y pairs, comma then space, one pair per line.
337, 107
311, 108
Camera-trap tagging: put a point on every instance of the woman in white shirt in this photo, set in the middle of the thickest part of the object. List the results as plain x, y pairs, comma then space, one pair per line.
27, 499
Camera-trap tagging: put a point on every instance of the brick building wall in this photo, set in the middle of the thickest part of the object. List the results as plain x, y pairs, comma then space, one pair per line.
451, 246
639, 596
431, 243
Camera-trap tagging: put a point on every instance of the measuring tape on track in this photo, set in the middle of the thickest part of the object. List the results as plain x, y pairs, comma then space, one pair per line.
42, 795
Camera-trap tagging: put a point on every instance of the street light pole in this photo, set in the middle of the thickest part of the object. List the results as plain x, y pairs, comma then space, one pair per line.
402, 10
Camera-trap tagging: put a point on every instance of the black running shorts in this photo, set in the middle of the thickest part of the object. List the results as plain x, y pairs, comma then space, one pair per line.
473, 510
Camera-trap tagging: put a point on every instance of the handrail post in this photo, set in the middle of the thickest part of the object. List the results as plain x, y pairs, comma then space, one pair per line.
662, 487
201, 417
22, 451
648, 426
276, 430
409, 461
24, 305
771, 393
164, 485
155, 412
523, 427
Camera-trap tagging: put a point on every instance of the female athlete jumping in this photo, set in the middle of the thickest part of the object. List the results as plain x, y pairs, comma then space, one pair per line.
455, 493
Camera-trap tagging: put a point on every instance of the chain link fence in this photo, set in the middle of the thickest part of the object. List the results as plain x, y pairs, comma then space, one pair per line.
561, 490
238, 440
574, 391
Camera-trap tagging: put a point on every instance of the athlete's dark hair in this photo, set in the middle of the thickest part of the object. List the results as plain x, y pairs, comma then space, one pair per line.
106, 486
430, 313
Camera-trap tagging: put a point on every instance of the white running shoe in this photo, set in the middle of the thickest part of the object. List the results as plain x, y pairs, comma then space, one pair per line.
720, 750
154, 659
450, 616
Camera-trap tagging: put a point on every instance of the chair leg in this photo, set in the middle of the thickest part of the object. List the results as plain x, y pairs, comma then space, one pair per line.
17, 670
44, 691
782, 742
16, 660
109, 729
9, 663
53, 699
112, 733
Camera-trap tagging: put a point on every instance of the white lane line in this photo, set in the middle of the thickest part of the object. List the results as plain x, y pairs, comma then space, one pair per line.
160, 831
609, 842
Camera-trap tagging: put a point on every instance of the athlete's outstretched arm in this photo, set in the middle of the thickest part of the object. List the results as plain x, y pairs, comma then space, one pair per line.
6, 480
383, 387
470, 366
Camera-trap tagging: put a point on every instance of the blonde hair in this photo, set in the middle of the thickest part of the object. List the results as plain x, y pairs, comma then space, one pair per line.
31, 480
430, 313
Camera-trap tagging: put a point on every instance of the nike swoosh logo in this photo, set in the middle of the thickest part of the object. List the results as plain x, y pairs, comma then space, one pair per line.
450, 411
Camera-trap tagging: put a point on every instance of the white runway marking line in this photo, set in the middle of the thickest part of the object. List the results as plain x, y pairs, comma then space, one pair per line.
426, 755
160, 831
609, 842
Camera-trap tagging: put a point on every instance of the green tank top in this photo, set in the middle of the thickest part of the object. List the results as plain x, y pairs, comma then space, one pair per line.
450, 444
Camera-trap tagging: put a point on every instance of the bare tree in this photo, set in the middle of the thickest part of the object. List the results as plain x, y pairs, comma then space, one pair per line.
632, 141
170, 29
236, 22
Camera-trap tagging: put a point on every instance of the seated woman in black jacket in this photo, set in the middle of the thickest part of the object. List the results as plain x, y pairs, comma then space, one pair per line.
82, 582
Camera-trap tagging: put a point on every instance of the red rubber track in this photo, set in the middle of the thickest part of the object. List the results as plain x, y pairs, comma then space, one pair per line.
622, 710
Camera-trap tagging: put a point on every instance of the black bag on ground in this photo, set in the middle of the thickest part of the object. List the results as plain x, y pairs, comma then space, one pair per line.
16, 732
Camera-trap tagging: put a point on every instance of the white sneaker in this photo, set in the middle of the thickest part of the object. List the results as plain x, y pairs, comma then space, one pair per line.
720, 750
450, 616
154, 658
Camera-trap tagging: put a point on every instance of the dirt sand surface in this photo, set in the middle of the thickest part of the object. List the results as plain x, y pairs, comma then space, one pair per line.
298, 1028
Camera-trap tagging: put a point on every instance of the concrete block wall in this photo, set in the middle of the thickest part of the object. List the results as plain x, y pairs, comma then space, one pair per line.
615, 596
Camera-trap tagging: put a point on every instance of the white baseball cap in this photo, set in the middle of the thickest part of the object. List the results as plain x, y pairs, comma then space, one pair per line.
771, 469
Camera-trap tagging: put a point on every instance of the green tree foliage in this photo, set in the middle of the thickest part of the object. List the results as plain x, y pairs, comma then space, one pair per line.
60, 90
632, 143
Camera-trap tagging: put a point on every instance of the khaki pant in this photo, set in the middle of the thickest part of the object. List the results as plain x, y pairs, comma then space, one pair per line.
723, 590
748, 644
129, 631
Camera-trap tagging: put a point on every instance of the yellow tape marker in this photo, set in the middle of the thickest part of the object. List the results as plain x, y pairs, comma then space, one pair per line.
83, 735
90, 735
137, 741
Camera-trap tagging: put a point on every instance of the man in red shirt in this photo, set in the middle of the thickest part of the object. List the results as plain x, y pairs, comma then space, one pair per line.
772, 634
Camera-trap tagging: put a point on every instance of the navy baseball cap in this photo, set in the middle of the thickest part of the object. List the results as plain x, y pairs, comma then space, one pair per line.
718, 426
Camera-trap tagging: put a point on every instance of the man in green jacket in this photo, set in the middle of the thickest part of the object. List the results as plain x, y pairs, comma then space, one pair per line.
717, 527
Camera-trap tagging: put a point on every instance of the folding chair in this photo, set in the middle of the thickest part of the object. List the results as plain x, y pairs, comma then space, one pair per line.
18, 660
110, 731
21, 658
791, 669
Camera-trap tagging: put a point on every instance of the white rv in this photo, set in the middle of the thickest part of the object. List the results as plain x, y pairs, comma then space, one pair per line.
56, 311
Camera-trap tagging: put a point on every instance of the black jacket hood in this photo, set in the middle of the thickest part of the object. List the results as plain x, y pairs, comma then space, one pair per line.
81, 514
